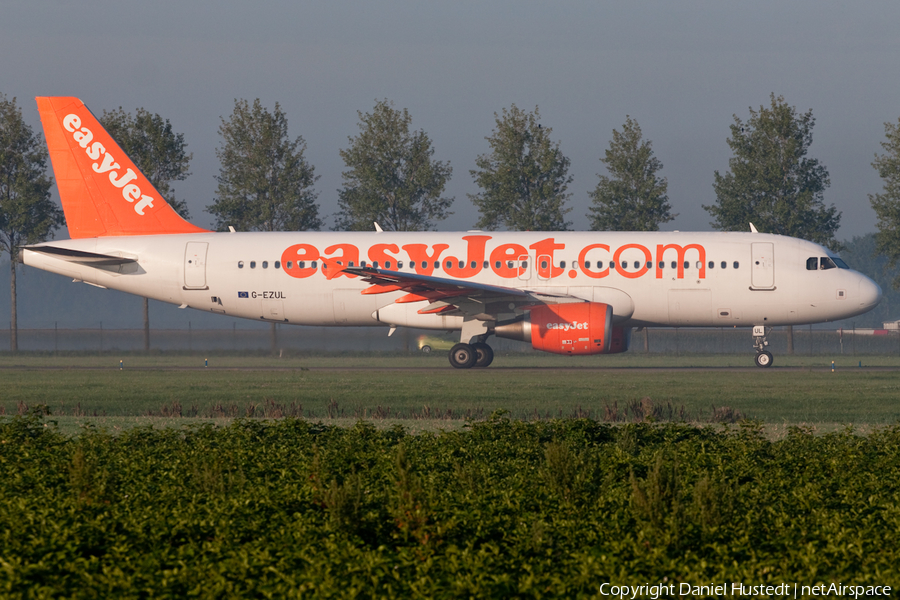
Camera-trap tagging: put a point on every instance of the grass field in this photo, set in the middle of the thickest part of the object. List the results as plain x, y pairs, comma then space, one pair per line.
437, 360
388, 387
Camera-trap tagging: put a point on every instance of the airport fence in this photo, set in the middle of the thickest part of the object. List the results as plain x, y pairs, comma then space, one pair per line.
670, 341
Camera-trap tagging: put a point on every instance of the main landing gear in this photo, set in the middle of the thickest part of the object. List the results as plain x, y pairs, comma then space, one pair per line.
465, 356
763, 357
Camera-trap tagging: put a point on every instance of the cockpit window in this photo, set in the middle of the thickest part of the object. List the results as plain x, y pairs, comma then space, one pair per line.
826, 263
812, 263
840, 263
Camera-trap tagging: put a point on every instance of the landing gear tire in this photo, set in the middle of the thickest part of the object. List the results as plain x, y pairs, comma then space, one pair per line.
463, 356
484, 354
426, 349
764, 359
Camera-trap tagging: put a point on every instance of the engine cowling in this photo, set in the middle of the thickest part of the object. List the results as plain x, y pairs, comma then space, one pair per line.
576, 328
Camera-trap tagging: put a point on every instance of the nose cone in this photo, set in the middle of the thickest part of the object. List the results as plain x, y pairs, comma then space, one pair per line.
869, 293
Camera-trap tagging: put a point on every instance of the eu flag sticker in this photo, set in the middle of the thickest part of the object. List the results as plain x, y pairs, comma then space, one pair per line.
243, 294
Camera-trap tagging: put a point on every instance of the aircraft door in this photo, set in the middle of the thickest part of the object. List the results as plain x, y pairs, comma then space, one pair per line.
543, 266
762, 265
523, 266
195, 266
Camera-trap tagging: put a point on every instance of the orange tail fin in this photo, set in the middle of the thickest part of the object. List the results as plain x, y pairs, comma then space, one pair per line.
102, 191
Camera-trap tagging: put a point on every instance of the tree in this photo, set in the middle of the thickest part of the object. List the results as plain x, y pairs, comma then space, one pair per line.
27, 215
159, 153
634, 199
771, 182
887, 204
524, 178
265, 183
391, 177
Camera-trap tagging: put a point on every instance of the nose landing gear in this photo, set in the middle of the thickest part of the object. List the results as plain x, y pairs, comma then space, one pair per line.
764, 358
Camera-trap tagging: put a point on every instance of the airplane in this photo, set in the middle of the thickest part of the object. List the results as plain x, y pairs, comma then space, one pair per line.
571, 293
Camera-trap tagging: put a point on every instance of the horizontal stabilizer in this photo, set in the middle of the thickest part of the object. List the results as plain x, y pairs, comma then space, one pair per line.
84, 258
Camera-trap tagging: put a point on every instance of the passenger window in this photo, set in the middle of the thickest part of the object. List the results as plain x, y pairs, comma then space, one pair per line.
562, 264
612, 265
509, 264
448, 264
265, 264
543, 264
674, 265
387, 264
474, 265
624, 265
462, 264
289, 265
252, 264
497, 264
737, 265
313, 264
301, 264
712, 264
524, 264
350, 264
724, 265
437, 264
599, 264
374, 264
240, 264
487, 265
687, 265
362, 263
649, 264
277, 264
699, 265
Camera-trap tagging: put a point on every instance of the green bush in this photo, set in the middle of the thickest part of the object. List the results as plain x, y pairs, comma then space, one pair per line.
292, 508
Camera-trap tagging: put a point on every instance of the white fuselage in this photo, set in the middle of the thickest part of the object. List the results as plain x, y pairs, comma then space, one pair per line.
658, 279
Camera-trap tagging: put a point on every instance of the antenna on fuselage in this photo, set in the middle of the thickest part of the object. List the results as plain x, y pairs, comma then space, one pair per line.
378, 228
753, 229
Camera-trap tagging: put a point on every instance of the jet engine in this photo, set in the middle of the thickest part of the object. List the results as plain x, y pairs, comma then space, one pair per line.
575, 328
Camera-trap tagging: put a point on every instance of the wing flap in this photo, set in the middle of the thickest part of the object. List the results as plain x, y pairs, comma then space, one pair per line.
446, 296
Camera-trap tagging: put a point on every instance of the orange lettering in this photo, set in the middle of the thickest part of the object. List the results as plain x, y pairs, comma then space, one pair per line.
681, 250
297, 253
632, 274
418, 253
333, 265
543, 252
474, 257
504, 254
379, 253
587, 271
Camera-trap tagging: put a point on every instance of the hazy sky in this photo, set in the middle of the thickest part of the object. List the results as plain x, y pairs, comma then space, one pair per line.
682, 69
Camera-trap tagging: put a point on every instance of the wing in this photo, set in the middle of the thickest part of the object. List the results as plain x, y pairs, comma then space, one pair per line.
453, 296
